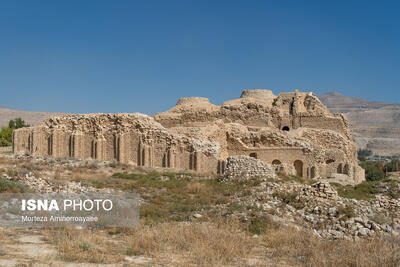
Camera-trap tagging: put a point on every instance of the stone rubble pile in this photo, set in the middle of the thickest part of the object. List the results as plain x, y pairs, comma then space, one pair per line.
320, 189
319, 208
245, 168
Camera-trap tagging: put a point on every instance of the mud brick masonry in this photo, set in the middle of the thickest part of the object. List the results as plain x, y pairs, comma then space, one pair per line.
293, 132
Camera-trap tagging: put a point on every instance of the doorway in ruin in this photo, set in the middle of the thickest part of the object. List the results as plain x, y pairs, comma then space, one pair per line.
346, 169
298, 166
285, 128
340, 168
312, 172
253, 155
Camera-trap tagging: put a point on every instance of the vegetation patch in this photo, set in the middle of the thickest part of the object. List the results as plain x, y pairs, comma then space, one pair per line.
364, 191
176, 197
304, 249
295, 179
6, 132
368, 189
346, 212
7, 186
261, 225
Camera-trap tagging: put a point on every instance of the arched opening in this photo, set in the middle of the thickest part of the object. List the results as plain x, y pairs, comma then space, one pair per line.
312, 172
329, 161
276, 162
298, 166
340, 168
285, 128
253, 155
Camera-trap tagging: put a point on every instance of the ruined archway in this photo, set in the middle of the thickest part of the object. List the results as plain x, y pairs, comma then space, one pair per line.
329, 161
285, 128
346, 169
340, 168
276, 162
298, 166
253, 155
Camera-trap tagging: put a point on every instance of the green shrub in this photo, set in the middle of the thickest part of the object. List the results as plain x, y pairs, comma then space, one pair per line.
393, 166
7, 186
373, 170
6, 132
6, 136
366, 190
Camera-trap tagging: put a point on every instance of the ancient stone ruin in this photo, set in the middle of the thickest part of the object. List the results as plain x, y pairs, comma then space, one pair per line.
292, 132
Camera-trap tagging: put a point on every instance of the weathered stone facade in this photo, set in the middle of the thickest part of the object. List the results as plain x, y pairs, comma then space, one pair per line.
294, 132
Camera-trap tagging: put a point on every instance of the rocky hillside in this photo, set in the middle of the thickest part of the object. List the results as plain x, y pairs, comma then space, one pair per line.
376, 125
31, 117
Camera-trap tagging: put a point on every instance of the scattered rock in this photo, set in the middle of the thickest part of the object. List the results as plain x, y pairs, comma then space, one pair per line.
244, 168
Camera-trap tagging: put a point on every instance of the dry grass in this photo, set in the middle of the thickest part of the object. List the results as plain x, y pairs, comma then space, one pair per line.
304, 248
202, 244
197, 188
6, 161
84, 246
221, 243
205, 244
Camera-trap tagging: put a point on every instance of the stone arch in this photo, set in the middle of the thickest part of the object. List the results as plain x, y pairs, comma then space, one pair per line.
298, 166
312, 172
253, 155
285, 128
276, 162
340, 168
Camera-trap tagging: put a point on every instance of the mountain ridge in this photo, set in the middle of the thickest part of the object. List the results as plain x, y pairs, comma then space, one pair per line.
30, 117
375, 125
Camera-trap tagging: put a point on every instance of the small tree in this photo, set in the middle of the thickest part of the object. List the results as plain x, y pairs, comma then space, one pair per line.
11, 124
373, 170
393, 166
20, 123
6, 136
6, 132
